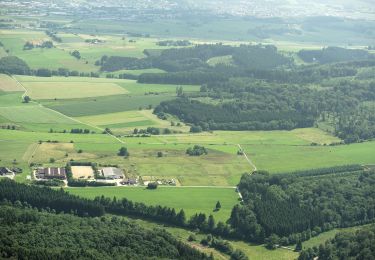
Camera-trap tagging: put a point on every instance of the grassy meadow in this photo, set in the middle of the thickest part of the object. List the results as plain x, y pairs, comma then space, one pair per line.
192, 200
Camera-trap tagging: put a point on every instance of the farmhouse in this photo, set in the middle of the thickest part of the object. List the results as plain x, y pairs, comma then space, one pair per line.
51, 173
5, 171
112, 173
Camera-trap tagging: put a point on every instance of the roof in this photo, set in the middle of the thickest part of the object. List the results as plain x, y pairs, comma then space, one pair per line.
4, 170
52, 171
111, 171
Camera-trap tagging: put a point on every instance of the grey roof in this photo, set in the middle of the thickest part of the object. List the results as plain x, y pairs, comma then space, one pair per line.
111, 171
4, 170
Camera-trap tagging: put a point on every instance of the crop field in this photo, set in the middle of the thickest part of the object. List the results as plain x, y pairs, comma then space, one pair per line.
9, 84
105, 104
37, 118
65, 90
10, 99
192, 200
137, 88
125, 122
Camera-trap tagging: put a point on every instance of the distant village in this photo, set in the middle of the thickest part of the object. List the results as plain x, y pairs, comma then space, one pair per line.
84, 175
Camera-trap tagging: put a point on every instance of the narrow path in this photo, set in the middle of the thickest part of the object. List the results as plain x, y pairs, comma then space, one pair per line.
32, 154
247, 158
252, 165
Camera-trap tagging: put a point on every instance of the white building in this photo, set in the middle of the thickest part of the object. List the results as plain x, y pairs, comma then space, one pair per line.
112, 173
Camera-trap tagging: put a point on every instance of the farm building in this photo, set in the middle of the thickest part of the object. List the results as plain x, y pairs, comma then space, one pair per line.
5, 171
112, 173
51, 173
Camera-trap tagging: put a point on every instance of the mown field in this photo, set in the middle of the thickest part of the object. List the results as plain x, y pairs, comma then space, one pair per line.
192, 200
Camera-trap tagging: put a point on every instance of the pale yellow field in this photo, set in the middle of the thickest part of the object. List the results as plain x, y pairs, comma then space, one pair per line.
66, 90
9, 84
82, 172
113, 118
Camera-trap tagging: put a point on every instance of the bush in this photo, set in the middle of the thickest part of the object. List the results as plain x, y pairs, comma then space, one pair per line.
152, 186
123, 152
196, 150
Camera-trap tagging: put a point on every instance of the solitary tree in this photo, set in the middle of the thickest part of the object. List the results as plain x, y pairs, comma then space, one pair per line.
218, 205
211, 223
26, 99
181, 218
152, 186
160, 154
76, 54
179, 91
298, 246
123, 152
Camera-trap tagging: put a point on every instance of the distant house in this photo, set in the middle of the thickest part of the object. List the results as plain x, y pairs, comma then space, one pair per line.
5, 171
51, 173
112, 173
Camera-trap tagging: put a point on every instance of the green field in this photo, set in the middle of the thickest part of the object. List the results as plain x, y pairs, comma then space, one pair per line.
192, 200
105, 105
125, 122
53, 58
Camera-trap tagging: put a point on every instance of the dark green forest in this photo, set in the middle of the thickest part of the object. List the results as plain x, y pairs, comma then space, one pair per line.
296, 206
27, 233
246, 104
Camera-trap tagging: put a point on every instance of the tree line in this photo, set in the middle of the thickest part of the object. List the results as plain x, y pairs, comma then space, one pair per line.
41, 198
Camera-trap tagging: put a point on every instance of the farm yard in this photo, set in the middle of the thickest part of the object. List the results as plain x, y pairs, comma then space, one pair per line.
82, 172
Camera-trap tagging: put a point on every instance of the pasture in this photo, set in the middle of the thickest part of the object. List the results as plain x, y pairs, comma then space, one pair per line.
192, 200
